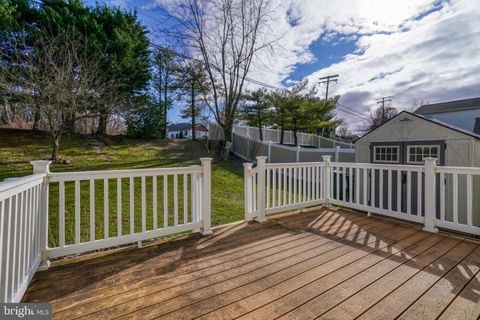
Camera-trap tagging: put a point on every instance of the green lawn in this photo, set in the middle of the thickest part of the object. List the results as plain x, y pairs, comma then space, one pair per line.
17, 148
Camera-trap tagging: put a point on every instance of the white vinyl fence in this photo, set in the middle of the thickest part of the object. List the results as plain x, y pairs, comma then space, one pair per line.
304, 139
437, 197
247, 148
32, 231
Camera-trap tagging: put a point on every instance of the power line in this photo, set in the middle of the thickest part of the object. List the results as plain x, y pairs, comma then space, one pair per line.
382, 100
327, 80
351, 111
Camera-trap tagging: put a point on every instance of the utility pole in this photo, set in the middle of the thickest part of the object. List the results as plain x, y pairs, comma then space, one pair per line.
382, 100
327, 80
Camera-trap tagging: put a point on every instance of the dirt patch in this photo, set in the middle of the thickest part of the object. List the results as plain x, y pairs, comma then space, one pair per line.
97, 144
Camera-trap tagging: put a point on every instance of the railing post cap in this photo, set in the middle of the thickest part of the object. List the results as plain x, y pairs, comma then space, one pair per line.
262, 157
206, 159
429, 161
248, 164
41, 166
326, 158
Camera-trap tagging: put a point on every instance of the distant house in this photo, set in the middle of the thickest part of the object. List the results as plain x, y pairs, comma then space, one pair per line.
464, 114
184, 130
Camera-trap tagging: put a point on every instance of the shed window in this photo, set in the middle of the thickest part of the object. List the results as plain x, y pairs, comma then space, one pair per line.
415, 154
388, 154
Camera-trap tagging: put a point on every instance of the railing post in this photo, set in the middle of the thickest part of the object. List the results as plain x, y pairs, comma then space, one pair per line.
298, 154
261, 168
429, 166
195, 197
327, 176
43, 167
337, 154
248, 189
206, 193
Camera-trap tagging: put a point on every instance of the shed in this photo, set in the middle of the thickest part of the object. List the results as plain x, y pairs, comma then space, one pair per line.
409, 137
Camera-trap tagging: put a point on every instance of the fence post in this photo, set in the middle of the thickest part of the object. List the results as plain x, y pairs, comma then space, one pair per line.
261, 162
337, 154
327, 176
43, 167
269, 151
248, 189
206, 192
430, 165
298, 154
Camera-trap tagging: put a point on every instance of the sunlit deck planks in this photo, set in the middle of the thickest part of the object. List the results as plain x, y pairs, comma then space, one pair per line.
329, 264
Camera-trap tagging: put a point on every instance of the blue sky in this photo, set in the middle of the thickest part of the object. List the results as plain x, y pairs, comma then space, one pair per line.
413, 50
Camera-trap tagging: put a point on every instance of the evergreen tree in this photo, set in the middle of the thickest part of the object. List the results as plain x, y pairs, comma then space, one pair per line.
192, 83
257, 109
164, 83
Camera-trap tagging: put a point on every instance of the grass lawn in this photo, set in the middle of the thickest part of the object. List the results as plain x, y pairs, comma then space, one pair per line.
18, 147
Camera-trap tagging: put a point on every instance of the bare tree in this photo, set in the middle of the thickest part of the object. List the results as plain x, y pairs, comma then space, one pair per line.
227, 35
379, 117
56, 77
416, 104
343, 130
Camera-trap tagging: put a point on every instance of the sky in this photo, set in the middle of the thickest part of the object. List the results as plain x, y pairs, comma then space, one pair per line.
414, 50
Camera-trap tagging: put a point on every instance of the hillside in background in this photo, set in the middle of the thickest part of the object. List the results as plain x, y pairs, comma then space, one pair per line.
18, 147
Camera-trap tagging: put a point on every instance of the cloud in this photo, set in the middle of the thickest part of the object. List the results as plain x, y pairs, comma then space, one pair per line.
413, 50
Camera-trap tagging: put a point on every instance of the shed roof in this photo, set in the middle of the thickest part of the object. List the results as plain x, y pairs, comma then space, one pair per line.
449, 106
438, 122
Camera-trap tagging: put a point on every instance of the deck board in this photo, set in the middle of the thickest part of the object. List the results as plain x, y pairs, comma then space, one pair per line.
327, 263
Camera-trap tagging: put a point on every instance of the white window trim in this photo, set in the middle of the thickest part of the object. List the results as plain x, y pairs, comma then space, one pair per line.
421, 146
397, 148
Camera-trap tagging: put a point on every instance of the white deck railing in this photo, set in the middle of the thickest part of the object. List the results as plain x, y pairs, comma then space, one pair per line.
28, 239
437, 197
23, 233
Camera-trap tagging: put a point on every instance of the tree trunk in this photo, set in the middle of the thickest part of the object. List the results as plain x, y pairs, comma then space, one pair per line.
70, 125
55, 147
36, 119
295, 129
194, 136
259, 120
164, 127
102, 124
4, 116
165, 100
282, 129
228, 129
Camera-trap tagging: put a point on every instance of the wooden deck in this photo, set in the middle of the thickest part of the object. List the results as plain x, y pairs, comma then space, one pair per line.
328, 264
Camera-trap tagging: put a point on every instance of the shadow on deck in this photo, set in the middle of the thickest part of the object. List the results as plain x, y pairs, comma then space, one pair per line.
326, 263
